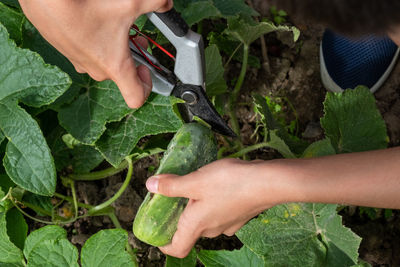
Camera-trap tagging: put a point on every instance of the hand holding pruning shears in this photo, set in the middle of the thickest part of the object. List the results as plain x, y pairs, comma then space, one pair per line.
93, 35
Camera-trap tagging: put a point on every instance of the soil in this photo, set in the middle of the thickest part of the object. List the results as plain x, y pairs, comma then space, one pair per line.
295, 76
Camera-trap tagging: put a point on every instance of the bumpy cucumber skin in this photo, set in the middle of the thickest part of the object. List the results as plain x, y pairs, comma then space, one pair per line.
192, 147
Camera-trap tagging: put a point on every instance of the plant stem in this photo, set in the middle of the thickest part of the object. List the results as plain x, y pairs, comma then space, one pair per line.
70, 199
93, 176
248, 149
29, 216
120, 191
235, 94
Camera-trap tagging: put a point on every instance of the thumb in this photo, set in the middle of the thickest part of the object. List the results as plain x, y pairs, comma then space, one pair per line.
171, 185
134, 83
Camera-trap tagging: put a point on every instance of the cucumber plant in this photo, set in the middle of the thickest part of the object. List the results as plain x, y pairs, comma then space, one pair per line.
57, 125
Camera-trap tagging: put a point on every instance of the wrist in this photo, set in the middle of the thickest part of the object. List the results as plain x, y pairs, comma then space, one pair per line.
282, 181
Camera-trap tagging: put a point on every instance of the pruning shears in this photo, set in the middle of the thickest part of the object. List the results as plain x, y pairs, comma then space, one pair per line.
187, 81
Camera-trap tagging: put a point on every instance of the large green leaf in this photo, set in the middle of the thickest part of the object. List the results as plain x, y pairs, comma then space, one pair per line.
24, 76
35, 42
189, 261
236, 258
52, 253
301, 235
12, 20
106, 248
50, 232
86, 117
17, 228
353, 122
28, 160
247, 33
9, 253
154, 117
215, 82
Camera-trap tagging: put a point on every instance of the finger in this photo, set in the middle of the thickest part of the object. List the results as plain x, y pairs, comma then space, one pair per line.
185, 237
144, 75
156, 5
132, 88
232, 230
142, 42
166, 7
78, 67
170, 185
97, 75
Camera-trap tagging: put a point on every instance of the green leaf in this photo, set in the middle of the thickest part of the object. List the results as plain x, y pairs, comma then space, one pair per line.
154, 117
353, 122
301, 235
246, 33
35, 42
215, 82
85, 118
50, 232
12, 20
57, 253
189, 261
24, 76
9, 253
235, 258
85, 158
106, 248
198, 11
28, 161
17, 228
279, 144
230, 8
319, 149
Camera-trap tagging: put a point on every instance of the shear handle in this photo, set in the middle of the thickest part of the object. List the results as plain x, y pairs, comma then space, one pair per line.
174, 22
190, 61
163, 79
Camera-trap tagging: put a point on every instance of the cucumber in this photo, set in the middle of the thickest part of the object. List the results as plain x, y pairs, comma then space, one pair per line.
192, 147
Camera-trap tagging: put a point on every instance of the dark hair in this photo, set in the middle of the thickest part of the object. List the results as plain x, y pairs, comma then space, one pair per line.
353, 17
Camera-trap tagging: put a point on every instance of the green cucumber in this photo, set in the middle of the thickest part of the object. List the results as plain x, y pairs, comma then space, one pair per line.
192, 147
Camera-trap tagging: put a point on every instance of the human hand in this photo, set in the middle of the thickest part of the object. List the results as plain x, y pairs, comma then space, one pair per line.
223, 196
93, 35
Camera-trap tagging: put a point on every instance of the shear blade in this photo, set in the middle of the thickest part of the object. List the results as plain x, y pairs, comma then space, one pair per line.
198, 105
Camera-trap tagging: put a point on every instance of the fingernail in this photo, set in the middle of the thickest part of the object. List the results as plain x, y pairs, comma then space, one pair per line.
152, 184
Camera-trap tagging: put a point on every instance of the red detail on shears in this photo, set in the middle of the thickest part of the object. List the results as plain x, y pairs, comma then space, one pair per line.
131, 37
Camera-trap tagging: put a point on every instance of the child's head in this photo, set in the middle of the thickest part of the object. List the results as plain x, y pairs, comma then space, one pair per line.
352, 17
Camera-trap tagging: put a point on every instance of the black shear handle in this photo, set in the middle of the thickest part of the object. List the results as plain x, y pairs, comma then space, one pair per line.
174, 21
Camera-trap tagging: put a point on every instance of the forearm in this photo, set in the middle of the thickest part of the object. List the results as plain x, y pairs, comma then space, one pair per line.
363, 179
